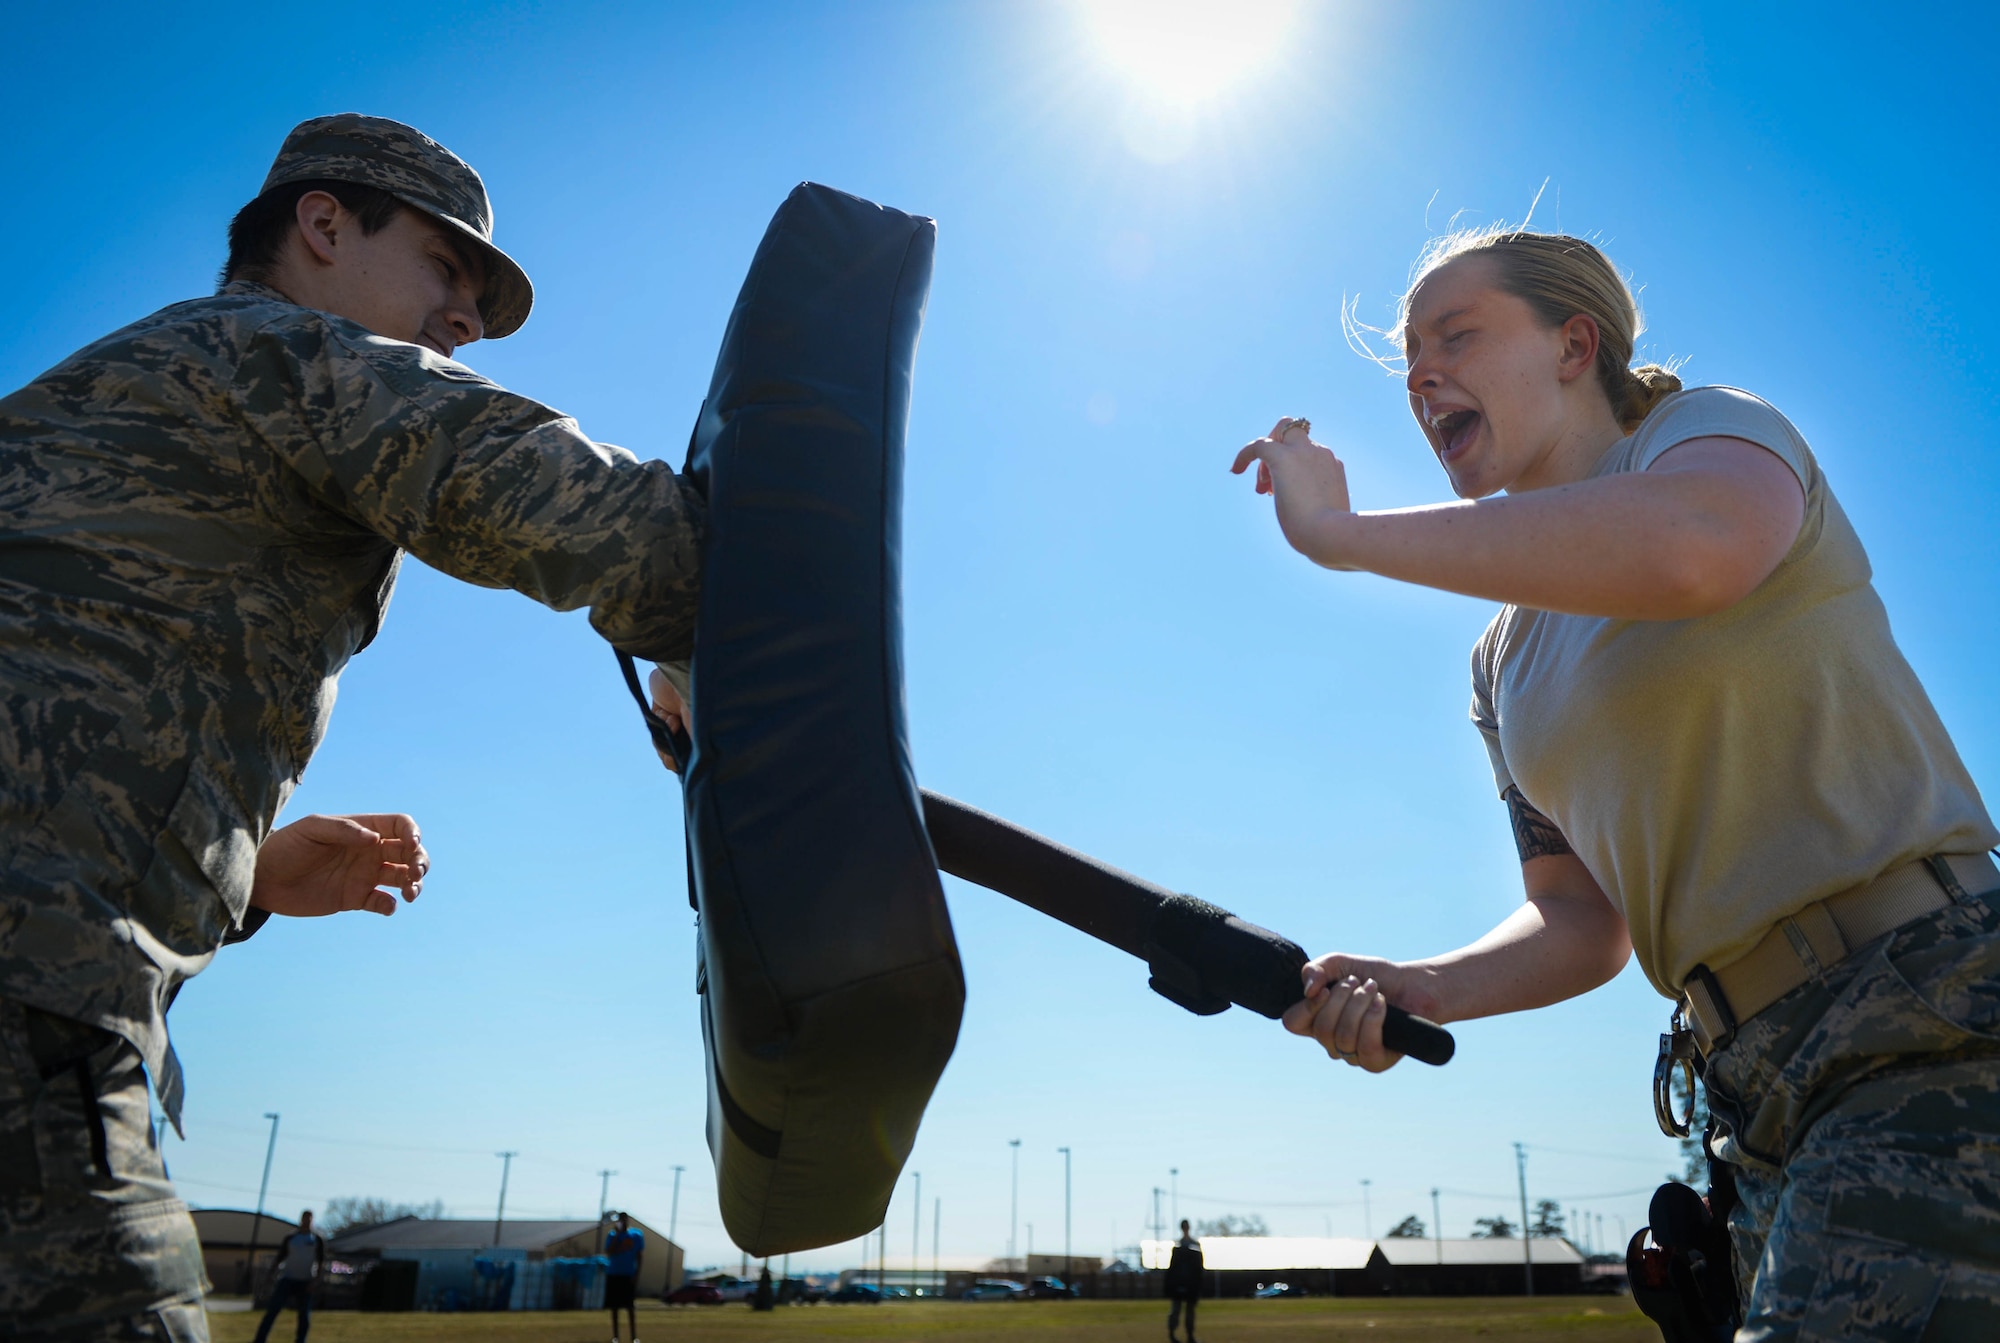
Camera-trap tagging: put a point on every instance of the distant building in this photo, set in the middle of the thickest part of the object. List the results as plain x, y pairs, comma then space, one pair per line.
460, 1264
225, 1235
1482, 1267
1347, 1266
1321, 1265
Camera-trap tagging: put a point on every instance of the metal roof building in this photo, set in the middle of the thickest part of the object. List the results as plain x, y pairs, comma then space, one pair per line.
1349, 1266
1230, 1254
226, 1239
1461, 1253
445, 1249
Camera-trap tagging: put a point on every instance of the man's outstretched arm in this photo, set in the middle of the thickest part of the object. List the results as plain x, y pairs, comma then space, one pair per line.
332, 864
484, 484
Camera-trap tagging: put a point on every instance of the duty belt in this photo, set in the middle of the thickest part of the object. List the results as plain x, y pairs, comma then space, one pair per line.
1802, 946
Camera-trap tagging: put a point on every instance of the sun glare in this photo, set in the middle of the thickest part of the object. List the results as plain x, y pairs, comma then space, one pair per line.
1187, 51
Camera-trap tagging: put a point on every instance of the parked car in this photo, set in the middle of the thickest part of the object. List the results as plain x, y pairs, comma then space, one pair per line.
1050, 1289
857, 1291
694, 1294
994, 1289
735, 1289
1278, 1289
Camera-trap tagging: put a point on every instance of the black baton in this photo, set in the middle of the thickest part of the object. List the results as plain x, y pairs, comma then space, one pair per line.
1201, 956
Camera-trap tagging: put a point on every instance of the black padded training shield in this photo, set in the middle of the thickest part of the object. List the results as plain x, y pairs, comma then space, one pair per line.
833, 990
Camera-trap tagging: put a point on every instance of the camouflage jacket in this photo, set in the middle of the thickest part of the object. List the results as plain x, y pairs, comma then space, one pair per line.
201, 518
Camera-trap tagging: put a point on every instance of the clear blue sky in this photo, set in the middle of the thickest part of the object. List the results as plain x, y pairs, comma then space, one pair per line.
1107, 638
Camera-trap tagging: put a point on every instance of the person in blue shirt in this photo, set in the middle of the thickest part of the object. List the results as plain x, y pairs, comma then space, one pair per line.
299, 1260
624, 1248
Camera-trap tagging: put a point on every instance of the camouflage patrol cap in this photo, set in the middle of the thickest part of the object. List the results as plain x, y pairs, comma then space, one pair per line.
420, 172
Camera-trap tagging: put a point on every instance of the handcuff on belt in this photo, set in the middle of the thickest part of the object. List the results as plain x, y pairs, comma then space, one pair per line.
1676, 1050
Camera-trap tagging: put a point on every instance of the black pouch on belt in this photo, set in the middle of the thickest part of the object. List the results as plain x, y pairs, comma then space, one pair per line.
1683, 1281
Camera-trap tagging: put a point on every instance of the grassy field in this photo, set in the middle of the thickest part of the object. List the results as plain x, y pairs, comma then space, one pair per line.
1575, 1319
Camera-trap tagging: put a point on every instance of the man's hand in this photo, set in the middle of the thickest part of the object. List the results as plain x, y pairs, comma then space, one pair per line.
329, 864
1346, 1000
667, 703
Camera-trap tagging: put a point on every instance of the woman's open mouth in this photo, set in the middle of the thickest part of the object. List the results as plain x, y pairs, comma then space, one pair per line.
1455, 429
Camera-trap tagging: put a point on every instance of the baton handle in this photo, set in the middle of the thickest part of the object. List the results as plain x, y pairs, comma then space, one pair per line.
1423, 1040
1402, 1032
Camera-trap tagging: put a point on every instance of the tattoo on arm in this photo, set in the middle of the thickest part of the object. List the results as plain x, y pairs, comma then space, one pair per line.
1535, 835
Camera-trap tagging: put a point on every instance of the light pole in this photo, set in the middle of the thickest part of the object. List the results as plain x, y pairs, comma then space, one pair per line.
674, 1209
1028, 1264
1066, 1274
1014, 1203
604, 1193
1367, 1214
1156, 1214
1527, 1241
937, 1217
257, 1222
1175, 1173
1437, 1227
916, 1225
500, 1213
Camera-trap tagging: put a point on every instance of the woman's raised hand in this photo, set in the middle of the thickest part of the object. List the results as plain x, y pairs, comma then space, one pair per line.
1306, 481
1346, 1000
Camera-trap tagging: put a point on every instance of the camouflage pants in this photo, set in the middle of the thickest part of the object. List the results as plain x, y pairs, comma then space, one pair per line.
1861, 1115
93, 1243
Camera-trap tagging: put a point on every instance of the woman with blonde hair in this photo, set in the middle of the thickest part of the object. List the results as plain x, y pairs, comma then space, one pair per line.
1713, 755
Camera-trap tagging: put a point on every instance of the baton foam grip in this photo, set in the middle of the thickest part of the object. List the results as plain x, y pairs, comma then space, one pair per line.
1256, 968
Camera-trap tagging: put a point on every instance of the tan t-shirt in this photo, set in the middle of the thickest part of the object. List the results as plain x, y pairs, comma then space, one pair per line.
1719, 773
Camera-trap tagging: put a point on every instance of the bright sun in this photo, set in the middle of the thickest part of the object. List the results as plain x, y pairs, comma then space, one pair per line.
1187, 51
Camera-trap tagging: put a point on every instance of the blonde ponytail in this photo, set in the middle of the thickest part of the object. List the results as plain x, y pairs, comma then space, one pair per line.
1645, 387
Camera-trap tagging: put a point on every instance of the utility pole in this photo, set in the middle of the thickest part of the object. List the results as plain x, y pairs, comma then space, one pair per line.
1014, 1204
1437, 1227
500, 1214
937, 1216
674, 1209
604, 1193
1527, 1240
1367, 1214
1175, 1173
257, 1222
916, 1225
1066, 1273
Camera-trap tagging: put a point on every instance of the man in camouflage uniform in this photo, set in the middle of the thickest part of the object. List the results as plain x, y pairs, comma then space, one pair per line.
201, 518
